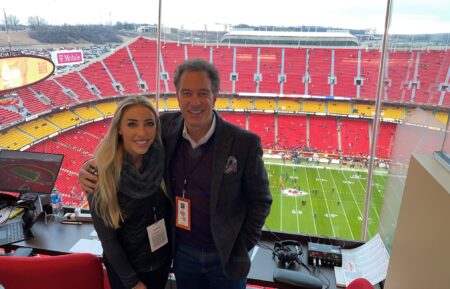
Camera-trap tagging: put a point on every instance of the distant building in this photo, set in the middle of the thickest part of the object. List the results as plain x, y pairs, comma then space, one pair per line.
153, 29
291, 38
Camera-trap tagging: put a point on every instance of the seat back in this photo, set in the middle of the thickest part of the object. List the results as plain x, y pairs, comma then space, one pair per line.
71, 271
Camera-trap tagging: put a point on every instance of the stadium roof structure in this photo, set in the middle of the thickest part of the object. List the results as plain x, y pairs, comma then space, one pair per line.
291, 38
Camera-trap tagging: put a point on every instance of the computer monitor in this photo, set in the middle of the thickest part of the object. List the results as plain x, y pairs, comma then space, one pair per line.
29, 172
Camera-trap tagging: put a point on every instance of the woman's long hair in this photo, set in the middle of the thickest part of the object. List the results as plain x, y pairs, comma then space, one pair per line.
108, 158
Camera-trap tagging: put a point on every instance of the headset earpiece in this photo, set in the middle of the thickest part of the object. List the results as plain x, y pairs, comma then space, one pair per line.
285, 255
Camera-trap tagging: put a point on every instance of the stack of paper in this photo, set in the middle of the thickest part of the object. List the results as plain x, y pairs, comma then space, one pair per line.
369, 261
92, 246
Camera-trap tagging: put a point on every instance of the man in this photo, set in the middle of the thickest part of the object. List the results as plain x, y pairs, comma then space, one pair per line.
215, 172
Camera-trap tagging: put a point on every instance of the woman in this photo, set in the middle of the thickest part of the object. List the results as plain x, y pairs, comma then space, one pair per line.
130, 208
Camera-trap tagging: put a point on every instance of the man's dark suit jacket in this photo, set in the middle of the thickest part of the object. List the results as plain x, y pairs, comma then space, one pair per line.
240, 195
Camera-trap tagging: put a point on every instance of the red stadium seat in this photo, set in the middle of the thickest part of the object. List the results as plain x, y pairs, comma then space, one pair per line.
72, 271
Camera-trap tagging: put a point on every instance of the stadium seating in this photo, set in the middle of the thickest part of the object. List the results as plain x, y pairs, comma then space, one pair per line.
143, 52
172, 55
121, 68
74, 82
286, 129
31, 102
7, 116
172, 103
264, 126
292, 132
38, 128
345, 62
161, 105
54, 93
369, 65
385, 141
400, 66
269, 64
442, 116
87, 112
222, 103
433, 66
339, 107
289, 105
81, 140
428, 68
312, 106
222, 57
241, 103
364, 110
323, 134
77, 145
265, 104
393, 112
320, 68
246, 65
96, 75
64, 119
237, 119
295, 69
107, 108
354, 137
14, 139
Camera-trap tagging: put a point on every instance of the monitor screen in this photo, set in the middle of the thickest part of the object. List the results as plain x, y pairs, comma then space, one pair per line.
28, 172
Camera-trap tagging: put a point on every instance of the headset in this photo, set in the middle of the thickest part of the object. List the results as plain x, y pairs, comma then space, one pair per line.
286, 255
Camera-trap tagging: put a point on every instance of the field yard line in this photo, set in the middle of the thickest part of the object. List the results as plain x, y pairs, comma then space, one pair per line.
296, 206
371, 203
326, 203
353, 195
310, 200
340, 200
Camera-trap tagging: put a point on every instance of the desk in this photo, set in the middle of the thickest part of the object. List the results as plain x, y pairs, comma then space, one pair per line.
56, 238
263, 266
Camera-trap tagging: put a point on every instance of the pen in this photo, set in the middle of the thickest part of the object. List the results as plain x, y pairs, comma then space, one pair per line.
16, 213
71, 223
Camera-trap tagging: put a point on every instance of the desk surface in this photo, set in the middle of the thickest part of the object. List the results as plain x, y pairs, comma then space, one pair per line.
263, 266
56, 238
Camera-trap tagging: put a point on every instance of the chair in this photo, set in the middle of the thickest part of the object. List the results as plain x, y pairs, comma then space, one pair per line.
72, 271
360, 283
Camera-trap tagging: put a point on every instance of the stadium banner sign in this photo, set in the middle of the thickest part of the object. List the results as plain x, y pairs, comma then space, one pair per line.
23, 70
67, 57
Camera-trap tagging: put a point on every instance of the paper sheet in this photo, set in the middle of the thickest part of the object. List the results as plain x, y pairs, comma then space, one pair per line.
369, 261
87, 246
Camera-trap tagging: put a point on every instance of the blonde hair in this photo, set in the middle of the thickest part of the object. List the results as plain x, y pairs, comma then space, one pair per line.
108, 157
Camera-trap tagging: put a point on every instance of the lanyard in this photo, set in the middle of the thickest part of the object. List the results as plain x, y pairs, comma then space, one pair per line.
187, 174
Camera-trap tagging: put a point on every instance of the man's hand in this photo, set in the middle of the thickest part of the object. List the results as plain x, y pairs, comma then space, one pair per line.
86, 178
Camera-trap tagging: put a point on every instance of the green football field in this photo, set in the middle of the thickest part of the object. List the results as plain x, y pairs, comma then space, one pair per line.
322, 201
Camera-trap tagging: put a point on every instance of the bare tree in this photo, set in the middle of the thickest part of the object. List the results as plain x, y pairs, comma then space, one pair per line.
12, 21
36, 22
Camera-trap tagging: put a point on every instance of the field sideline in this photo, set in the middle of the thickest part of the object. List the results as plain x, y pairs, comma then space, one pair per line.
322, 201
